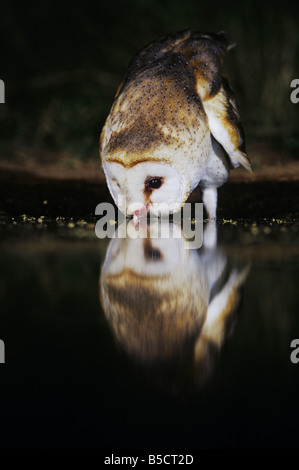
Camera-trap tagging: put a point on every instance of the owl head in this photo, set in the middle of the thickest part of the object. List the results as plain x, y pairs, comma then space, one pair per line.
146, 186
157, 177
153, 136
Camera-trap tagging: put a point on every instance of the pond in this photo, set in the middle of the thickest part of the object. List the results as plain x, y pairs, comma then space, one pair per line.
143, 343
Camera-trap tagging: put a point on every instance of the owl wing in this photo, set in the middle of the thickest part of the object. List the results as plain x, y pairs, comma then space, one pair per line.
225, 125
202, 55
205, 54
223, 305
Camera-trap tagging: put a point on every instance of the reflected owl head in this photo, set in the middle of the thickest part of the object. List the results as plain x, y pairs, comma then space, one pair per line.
153, 313
168, 307
159, 327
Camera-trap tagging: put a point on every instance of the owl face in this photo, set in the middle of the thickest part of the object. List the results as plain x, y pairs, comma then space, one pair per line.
147, 186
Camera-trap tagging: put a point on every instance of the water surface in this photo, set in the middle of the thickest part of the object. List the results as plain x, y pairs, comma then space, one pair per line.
142, 343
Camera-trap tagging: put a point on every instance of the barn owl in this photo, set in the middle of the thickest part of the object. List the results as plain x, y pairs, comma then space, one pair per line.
167, 304
174, 125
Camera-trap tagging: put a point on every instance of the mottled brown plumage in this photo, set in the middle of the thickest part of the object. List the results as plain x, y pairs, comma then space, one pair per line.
174, 108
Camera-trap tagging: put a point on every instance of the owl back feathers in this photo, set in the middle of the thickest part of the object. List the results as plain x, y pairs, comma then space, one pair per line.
194, 56
174, 95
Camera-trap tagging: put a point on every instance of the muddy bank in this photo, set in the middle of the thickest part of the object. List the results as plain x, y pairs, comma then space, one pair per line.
26, 193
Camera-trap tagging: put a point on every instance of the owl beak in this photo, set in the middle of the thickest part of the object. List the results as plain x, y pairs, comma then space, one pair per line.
141, 213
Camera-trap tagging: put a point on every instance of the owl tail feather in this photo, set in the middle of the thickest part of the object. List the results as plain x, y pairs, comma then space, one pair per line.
240, 158
243, 160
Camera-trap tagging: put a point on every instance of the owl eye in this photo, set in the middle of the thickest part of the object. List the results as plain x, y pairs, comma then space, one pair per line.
153, 254
154, 182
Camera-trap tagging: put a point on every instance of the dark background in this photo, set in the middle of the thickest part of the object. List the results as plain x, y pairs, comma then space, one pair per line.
62, 62
66, 383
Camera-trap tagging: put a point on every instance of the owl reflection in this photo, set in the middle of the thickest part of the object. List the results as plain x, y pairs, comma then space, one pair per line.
167, 305
174, 125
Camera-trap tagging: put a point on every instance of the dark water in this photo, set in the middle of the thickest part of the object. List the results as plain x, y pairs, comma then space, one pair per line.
149, 344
